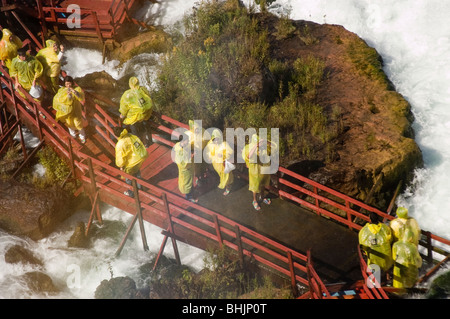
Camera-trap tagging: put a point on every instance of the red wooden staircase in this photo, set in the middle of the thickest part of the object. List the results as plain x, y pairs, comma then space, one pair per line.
100, 22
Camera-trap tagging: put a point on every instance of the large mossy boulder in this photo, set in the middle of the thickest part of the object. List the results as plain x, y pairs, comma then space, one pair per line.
440, 287
33, 212
117, 288
145, 42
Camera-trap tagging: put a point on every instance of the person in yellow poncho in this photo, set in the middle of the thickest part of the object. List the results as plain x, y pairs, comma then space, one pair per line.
217, 150
130, 155
9, 44
68, 105
198, 141
407, 260
135, 109
50, 58
182, 155
403, 220
25, 70
375, 239
257, 180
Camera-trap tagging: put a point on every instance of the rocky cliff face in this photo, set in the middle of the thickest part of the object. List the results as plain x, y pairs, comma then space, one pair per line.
376, 141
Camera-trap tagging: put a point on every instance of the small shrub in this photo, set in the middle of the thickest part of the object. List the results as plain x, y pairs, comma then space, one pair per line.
307, 37
56, 169
285, 28
308, 73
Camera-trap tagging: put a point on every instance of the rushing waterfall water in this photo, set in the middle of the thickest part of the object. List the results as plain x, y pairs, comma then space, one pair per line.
412, 36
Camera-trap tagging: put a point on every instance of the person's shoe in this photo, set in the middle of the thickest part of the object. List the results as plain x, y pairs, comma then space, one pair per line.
193, 200
226, 192
129, 193
256, 205
82, 140
267, 201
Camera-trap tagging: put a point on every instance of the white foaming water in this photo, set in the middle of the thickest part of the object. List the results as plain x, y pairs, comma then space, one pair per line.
412, 36
77, 272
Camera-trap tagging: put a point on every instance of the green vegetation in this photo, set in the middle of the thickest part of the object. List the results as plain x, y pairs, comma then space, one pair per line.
264, 3
56, 170
285, 28
222, 72
221, 278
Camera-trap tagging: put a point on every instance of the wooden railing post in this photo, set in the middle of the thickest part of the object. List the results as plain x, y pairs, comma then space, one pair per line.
42, 21
429, 247
292, 270
239, 245
218, 233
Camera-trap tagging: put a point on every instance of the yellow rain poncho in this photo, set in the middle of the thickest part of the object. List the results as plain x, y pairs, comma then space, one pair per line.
256, 179
8, 48
135, 103
407, 261
196, 135
26, 71
403, 221
198, 142
130, 153
376, 242
69, 107
217, 154
185, 165
51, 63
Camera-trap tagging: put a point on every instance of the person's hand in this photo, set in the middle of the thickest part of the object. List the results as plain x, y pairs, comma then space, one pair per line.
61, 48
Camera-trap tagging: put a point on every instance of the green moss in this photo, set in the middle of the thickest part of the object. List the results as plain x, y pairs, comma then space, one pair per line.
367, 61
56, 170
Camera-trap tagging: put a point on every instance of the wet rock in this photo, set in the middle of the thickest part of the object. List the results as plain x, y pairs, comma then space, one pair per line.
145, 42
32, 212
440, 287
117, 288
39, 282
79, 238
19, 254
100, 84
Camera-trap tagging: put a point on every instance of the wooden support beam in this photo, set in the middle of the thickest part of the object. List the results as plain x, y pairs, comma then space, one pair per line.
139, 213
91, 216
9, 7
137, 216
171, 229
27, 160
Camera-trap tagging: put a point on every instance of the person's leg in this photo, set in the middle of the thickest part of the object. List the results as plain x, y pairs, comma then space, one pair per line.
72, 132
255, 202
82, 135
266, 200
128, 192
